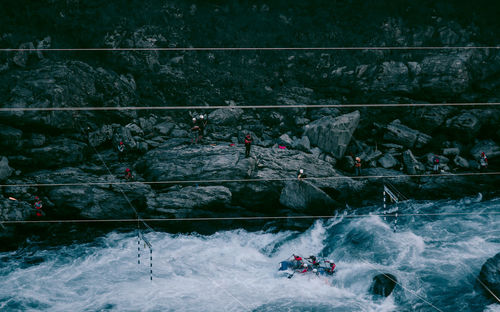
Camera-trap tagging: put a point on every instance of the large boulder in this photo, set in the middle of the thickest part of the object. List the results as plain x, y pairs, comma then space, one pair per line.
10, 138
490, 276
393, 77
465, 126
411, 164
401, 134
303, 195
195, 197
333, 135
388, 161
225, 116
383, 284
5, 170
445, 74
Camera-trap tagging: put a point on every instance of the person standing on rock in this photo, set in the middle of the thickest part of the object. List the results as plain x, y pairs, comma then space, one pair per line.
195, 131
38, 206
301, 175
121, 151
128, 174
357, 166
203, 125
435, 161
483, 162
248, 145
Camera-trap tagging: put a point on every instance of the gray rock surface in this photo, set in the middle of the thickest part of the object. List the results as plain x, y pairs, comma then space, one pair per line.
490, 276
388, 161
302, 195
489, 147
195, 197
5, 170
401, 134
333, 135
411, 164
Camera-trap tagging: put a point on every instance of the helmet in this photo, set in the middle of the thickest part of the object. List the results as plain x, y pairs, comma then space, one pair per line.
358, 159
301, 170
36, 197
127, 170
121, 143
315, 270
305, 265
201, 116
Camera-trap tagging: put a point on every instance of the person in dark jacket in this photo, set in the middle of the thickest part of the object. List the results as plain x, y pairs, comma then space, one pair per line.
357, 166
195, 131
483, 162
121, 151
248, 145
435, 162
38, 206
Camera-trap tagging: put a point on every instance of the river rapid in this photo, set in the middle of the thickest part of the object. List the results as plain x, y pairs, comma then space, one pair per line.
436, 259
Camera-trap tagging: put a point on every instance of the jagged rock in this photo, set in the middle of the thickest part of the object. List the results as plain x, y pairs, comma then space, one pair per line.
445, 74
21, 57
14, 210
490, 276
427, 118
62, 151
461, 162
135, 130
333, 135
393, 77
164, 128
36, 140
100, 136
464, 126
5, 170
285, 140
300, 195
401, 134
303, 144
430, 159
388, 161
383, 284
10, 138
489, 147
124, 135
411, 164
451, 151
195, 197
225, 116
43, 44
146, 124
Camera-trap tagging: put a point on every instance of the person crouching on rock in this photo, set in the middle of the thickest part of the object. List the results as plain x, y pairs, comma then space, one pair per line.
195, 131
357, 166
301, 175
121, 151
483, 162
128, 174
248, 145
38, 206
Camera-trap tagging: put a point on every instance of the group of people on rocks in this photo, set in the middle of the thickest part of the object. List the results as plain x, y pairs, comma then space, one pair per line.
483, 163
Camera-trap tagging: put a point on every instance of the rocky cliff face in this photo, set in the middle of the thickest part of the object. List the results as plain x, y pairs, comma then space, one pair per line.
214, 178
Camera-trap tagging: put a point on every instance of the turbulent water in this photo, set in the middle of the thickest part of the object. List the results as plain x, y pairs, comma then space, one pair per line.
435, 258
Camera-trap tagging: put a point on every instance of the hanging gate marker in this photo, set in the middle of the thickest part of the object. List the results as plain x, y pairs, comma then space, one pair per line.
395, 199
146, 244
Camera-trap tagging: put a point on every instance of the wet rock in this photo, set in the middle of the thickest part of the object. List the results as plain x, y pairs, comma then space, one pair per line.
300, 195
461, 162
490, 276
451, 151
333, 135
62, 151
225, 116
5, 170
43, 44
10, 138
135, 130
388, 161
401, 134
196, 197
489, 147
411, 164
36, 140
383, 284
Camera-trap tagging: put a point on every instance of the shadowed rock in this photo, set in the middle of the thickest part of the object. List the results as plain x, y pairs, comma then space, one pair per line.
383, 284
490, 276
300, 195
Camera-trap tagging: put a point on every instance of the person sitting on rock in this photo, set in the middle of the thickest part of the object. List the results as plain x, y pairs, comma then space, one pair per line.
195, 131
202, 125
38, 206
121, 151
128, 174
357, 166
248, 145
301, 175
435, 162
483, 162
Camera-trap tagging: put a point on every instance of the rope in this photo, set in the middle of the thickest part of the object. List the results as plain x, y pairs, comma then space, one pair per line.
250, 218
464, 174
357, 105
253, 49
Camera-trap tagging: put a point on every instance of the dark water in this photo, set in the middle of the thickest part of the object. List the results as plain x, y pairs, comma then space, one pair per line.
435, 258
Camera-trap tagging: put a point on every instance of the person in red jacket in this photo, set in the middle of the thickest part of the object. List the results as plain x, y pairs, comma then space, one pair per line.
248, 145
331, 269
128, 174
38, 206
435, 161
483, 162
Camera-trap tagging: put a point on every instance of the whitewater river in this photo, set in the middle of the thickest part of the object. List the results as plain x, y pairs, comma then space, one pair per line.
435, 258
